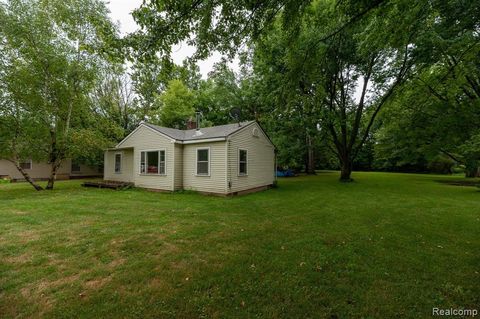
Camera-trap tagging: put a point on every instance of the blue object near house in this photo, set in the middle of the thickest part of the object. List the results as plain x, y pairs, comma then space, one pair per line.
286, 173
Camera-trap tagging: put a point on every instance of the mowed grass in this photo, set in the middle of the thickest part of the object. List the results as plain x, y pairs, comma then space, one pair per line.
387, 245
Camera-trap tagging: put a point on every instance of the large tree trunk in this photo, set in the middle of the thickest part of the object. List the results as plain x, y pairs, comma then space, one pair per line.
310, 162
346, 169
51, 179
53, 174
26, 176
54, 160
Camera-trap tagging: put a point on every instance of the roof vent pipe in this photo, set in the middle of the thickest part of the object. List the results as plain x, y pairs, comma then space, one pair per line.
197, 115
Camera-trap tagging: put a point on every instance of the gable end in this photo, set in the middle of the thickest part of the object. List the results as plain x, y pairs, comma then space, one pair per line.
148, 127
255, 123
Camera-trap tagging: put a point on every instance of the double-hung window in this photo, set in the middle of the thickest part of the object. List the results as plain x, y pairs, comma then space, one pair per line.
26, 164
118, 163
152, 162
203, 161
242, 163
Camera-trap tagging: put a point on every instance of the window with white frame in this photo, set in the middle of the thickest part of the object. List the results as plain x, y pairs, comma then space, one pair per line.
118, 162
242, 162
203, 161
26, 164
152, 162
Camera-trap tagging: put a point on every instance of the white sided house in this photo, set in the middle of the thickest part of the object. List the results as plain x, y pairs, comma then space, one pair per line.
226, 159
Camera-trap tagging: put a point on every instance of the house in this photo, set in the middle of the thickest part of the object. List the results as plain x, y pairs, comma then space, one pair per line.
41, 170
226, 159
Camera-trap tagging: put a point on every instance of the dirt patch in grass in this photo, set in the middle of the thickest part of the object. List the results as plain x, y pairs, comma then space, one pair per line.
19, 212
42, 287
159, 284
116, 262
38, 293
168, 248
97, 283
43, 303
47, 285
19, 259
28, 236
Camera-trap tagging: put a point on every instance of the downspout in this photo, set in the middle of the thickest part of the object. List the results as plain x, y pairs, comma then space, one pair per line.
227, 166
173, 166
275, 167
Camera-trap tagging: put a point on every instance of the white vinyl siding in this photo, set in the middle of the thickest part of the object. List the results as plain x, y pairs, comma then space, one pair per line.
178, 169
126, 174
144, 139
260, 159
244, 161
215, 182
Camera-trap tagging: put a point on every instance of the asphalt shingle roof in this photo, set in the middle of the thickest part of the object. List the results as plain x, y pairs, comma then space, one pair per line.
203, 133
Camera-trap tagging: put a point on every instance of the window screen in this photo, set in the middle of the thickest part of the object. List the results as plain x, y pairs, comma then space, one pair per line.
203, 158
242, 162
118, 163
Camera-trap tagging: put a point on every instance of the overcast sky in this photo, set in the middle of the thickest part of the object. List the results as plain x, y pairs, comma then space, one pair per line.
121, 13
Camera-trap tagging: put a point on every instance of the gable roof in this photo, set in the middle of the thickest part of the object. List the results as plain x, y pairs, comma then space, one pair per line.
220, 131
207, 134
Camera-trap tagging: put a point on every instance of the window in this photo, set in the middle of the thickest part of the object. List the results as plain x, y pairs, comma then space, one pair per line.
118, 163
152, 162
75, 167
203, 161
26, 164
242, 162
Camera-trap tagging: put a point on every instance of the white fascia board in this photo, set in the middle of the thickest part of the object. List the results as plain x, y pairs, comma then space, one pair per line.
205, 140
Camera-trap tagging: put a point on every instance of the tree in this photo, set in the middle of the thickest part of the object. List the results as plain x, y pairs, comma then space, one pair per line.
437, 113
115, 100
225, 26
339, 82
53, 51
176, 105
222, 91
17, 132
343, 60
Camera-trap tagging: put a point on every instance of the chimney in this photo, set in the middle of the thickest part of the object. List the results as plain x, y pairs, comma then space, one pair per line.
197, 114
191, 124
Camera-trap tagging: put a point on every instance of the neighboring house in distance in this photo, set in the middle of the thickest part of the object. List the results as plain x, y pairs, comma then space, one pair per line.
226, 159
41, 171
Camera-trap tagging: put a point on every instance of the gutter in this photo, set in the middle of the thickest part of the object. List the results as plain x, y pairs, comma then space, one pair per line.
203, 140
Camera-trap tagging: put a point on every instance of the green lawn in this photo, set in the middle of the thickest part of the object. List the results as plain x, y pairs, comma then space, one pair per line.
388, 245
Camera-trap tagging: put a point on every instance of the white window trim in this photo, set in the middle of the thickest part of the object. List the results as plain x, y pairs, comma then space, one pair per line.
115, 162
29, 161
152, 150
209, 162
238, 162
